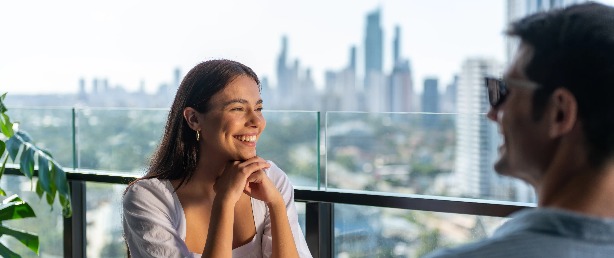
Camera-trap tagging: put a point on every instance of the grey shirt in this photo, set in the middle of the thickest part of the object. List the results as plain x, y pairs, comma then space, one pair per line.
543, 232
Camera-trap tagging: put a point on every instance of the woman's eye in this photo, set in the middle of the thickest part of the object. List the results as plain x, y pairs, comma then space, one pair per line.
259, 109
237, 109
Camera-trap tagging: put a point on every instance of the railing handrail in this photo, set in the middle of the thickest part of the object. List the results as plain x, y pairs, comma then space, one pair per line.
457, 205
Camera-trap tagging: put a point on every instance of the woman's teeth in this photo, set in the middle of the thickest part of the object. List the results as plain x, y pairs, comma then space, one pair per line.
244, 138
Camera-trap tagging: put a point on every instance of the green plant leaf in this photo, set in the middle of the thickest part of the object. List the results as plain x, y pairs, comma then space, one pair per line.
2, 106
2, 192
61, 185
28, 239
46, 153
15, 208
12, 145
7, 253
26, 164
39, 189
66, 209
2, 148
60, 180
44, 174
3, 165
50, 199
5, 125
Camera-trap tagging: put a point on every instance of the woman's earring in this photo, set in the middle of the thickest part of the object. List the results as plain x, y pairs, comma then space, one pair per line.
197, 135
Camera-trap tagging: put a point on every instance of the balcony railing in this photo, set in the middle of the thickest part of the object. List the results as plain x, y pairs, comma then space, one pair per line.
386, 183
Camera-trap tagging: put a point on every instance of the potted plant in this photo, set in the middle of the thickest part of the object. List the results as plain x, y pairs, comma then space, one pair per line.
33, 161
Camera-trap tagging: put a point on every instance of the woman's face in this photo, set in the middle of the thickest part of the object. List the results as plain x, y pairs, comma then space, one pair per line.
234, 122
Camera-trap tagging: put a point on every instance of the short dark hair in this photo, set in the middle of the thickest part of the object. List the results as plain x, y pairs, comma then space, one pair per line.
177, 154
574, 48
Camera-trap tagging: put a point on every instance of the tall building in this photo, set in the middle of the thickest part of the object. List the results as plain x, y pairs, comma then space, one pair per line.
341, 93
477, 138
374, 79
430, 96
448, 99
399, 93
396, 45
284, 75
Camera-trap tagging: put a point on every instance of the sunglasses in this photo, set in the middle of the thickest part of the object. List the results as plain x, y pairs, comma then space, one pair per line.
497, 89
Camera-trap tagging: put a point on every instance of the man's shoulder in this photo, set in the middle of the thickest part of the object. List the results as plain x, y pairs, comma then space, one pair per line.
505, 246
542, 233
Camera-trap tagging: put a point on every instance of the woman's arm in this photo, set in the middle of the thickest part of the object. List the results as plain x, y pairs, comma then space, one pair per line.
283, 185
228, 189
219, 236
283, 240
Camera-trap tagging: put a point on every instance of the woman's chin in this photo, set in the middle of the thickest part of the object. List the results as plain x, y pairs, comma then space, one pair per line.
245, 155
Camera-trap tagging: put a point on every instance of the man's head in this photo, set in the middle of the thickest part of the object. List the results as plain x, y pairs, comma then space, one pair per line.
560, 82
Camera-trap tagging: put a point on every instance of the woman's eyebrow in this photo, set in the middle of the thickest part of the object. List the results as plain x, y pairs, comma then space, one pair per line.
240, 101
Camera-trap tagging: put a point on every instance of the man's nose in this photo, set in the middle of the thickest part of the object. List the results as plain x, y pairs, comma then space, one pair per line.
492, 114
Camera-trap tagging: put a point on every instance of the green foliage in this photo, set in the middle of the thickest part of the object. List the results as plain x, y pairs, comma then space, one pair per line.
17, 145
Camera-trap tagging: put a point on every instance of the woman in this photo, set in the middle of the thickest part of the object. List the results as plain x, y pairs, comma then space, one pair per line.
206, 192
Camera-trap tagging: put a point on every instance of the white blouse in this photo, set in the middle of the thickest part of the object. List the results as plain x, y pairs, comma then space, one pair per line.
155, 226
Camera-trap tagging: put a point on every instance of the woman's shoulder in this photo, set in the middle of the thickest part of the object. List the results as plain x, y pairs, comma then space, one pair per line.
147, 184
148, 189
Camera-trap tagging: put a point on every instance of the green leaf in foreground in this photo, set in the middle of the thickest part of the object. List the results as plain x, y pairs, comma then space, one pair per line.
28, 239
7, 253
15, 208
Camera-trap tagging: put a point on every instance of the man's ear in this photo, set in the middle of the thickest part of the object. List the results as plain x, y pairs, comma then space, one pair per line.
191, 116
564, 112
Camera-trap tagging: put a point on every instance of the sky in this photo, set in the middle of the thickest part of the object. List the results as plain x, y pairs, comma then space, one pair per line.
47, 46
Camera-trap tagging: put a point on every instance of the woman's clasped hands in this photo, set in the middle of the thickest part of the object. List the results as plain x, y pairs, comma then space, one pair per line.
246, 177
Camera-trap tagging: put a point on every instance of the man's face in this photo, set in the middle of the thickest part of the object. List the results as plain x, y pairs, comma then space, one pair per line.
523, 150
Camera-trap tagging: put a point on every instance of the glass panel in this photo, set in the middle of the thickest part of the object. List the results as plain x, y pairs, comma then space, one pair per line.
50, 129
291, 141
118, 139
104, 224
362, 231
418, 153
48, 224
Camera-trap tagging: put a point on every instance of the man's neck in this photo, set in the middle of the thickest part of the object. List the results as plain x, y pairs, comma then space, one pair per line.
581, 189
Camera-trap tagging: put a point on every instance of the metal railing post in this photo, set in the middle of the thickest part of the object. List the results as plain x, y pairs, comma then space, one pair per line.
74, 227
319, 224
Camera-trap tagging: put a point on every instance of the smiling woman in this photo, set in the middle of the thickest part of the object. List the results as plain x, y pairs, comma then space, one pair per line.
206, 193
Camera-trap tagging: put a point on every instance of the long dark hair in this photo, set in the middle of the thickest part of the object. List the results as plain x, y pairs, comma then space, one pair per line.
178, 153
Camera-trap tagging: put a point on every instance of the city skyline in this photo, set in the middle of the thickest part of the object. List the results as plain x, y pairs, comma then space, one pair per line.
117, 44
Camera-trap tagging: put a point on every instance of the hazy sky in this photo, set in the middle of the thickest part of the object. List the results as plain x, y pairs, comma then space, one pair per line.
46, 46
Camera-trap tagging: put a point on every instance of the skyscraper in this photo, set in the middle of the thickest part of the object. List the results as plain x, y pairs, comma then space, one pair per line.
396, 45
430, 95
477, 138
374, 79
399, 93
284, 74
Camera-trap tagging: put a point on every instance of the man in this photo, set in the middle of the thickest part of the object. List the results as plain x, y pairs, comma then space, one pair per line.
555, 110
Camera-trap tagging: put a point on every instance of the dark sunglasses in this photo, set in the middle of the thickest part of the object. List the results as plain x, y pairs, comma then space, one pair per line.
497, 89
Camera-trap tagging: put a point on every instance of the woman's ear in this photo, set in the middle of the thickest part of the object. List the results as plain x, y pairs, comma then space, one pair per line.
191, 116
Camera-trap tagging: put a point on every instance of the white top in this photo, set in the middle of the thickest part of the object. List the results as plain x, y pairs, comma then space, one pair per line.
155, 225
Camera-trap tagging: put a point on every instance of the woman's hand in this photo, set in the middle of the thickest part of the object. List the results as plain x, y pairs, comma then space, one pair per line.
259, 186
234, 179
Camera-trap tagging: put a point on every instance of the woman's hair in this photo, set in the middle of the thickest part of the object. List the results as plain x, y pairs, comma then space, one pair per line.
178, 152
